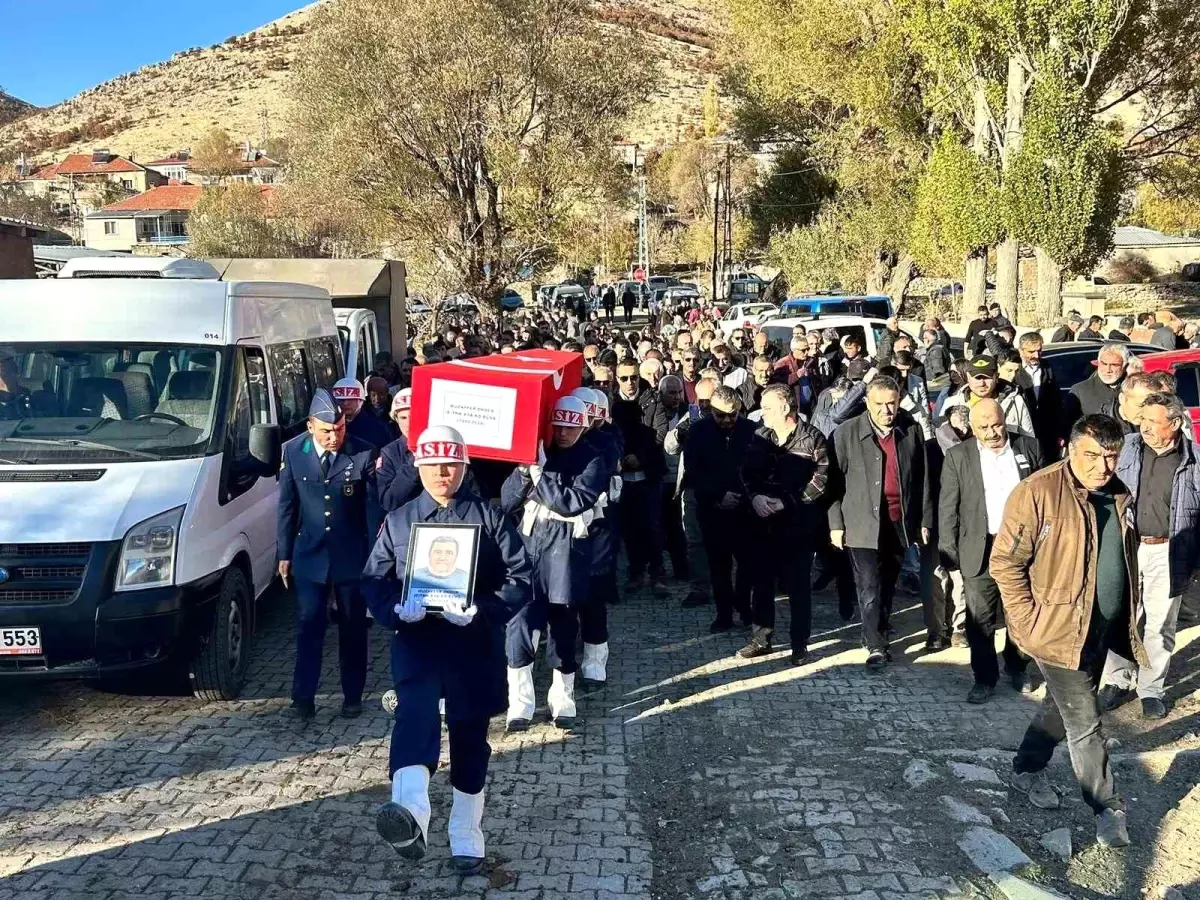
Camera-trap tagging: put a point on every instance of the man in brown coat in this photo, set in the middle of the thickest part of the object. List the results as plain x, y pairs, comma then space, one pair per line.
1065, 560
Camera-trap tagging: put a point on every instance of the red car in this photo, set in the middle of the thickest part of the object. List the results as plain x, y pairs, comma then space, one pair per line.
1185, 365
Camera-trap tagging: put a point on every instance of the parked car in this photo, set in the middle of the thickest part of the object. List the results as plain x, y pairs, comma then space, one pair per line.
747, 288
1072, 362
867, 330
869, 305
745, 315
1185, 365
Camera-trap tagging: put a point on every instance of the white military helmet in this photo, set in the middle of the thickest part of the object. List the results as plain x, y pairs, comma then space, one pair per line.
402, 400
589, 402
348, 389
440, 444
570, 412
601, 399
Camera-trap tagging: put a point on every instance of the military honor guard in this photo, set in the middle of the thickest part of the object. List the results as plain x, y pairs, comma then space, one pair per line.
360, 421
398, 481
556, 503
327, 514
447, 643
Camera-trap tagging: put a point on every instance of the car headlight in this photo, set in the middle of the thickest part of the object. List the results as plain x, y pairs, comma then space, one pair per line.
148, 552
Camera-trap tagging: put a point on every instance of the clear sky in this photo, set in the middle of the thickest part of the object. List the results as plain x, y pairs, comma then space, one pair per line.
51, 50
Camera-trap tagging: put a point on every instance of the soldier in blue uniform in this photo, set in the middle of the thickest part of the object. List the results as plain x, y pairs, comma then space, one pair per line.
327, 514
398, 481
602, 589
456, 654
556, 501
360, 421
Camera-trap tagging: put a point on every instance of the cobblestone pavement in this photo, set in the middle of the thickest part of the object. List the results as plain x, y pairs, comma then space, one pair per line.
693, 774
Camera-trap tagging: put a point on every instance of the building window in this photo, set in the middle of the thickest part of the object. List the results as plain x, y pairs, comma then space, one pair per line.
127, 183
110, 227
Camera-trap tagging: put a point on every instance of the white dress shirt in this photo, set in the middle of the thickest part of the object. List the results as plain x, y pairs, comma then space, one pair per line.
1035, 375
1000, 476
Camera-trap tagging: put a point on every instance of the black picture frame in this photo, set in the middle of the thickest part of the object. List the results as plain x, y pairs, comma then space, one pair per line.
420, 541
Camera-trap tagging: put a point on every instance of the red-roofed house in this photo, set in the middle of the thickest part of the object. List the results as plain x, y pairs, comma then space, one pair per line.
176, 167
100, 165
150, 221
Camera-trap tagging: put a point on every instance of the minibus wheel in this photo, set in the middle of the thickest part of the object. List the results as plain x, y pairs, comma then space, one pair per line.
218, 670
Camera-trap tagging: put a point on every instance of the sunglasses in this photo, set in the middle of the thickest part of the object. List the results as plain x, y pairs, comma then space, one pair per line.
690, 358
717, 414
626, 379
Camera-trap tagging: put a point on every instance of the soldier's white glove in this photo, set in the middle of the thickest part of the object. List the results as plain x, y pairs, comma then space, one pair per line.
456, 613
411, 610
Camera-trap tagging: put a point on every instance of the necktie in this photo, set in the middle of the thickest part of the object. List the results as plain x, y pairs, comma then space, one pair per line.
326, 462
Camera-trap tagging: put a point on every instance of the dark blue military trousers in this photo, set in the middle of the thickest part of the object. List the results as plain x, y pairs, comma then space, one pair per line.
560, 626
312, 615
417, 737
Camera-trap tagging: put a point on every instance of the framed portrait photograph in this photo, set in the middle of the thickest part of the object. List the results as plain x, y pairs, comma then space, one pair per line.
441, 564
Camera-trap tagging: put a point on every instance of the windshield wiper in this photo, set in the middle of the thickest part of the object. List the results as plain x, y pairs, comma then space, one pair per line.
85, 445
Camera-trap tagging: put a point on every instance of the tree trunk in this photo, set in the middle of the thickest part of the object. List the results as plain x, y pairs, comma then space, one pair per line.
902, 276
1007, 276
974, 283
879, 272
1008, 272
1049, 289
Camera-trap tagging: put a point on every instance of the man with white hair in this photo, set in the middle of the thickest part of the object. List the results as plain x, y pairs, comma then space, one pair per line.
450, 655
1098, 394
651, 371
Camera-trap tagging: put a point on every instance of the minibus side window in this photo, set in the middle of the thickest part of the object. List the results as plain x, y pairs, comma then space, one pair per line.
248, 405
293, 390
322, 356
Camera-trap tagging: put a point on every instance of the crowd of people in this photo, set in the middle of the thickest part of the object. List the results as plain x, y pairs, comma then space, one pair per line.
753, 470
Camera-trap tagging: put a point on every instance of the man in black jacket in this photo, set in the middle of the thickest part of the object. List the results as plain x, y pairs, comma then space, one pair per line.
715, 454
977, 328
1039, 386
786, 475
884, 508
977, 478
1099, 393
1093, 331
642, 470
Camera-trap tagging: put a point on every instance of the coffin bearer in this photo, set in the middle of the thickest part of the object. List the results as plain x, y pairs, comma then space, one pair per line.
556, 500
398, 480
453, 655
602, 589
977, 478
326, 516
360, 422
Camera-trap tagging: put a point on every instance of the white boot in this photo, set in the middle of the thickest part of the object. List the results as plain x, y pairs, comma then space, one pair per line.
562, 699
466, 832
404, 823
595, 662
521, 697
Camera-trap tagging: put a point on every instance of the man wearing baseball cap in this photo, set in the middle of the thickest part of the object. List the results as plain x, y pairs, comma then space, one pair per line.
327, 510
983, 383
360, 421
450, 655
556, 500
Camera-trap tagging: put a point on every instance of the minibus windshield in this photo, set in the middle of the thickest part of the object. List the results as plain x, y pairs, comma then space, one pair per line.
106, 402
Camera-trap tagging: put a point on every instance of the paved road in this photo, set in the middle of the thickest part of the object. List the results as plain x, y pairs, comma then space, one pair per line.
695, 775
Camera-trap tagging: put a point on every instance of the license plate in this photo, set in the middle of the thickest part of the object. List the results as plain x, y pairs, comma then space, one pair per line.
20, 641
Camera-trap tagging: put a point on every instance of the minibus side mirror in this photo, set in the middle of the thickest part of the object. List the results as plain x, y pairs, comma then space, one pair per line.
266, 447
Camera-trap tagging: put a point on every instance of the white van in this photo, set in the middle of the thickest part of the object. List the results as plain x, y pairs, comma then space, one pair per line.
360, 340
140, 429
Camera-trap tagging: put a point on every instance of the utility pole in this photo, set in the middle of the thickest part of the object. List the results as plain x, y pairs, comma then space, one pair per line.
727, 248
643, 250
716, 260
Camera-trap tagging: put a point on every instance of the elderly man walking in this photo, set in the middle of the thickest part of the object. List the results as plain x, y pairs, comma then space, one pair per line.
882, 504
1100, 392
1065, 560
977, 479
1161, 467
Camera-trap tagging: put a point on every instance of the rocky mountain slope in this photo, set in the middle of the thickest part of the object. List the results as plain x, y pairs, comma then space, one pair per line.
240, 85
12, 108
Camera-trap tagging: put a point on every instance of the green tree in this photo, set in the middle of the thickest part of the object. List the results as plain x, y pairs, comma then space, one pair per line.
473, 132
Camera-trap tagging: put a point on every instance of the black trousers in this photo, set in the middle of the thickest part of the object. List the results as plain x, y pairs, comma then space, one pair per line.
727, 541
788, 565
983, 618
875, 574
674, 538
640, 508
1070, 713
835, 566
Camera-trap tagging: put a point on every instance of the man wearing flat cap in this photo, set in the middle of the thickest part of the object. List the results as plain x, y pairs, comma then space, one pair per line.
327, 516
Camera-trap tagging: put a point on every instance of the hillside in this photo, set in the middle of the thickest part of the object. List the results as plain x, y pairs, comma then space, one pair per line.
240, 86
12, 108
